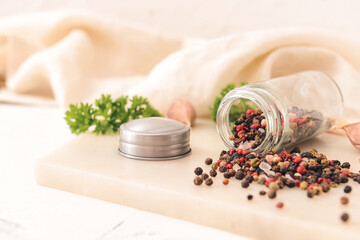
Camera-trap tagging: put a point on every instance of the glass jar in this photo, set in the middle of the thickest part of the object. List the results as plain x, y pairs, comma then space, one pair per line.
288, 110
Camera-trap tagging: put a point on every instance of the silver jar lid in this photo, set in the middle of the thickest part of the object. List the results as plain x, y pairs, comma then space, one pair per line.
154, 138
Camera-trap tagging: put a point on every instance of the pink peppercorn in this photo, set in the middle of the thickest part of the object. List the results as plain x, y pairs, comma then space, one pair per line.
231, 151
297, 183
255, 126
229, 166
239, 128
250, 112
218, 162
240, 152
297, 160
280, 205
301, 169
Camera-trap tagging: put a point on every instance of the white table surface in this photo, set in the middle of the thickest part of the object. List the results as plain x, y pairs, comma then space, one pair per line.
30, 211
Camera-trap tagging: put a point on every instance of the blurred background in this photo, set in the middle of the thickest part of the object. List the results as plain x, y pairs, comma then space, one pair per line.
211, 18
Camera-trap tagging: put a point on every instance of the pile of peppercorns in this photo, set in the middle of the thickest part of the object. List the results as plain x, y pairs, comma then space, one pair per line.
309, 171
249, 127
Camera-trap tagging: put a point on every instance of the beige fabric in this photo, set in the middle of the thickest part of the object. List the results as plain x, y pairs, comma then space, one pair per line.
77, 56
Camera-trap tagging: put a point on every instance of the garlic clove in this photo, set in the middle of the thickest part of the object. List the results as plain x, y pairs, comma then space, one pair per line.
183, 111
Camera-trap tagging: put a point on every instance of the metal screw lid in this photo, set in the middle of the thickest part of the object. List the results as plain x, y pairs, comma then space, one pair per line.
154, 139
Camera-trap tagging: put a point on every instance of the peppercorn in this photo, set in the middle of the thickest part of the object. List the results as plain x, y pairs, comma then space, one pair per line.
347, 189
239, 175
249, 178
209, 182
198, 180
223, 164
273, 186
213, 173
261, 180
198, 171
222, 169
280, 205
325, 187
272, 194
345, 165
214, 166
262, 192
208, 161
344, 217
303, 185
204, 176
226, 181
309, 194
232, 172
227, 175
250, 197
245, 183
344, 200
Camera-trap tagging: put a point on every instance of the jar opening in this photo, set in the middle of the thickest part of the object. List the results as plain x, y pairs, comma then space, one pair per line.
243, 122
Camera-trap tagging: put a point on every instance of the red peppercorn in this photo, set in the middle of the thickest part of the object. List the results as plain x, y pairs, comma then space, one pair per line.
268, 181
297, 183
310, 187
239, 128
301, 169
255, 125
218, 162
297, 160
229, 166
231, 151
250, 112
240, 152
241, 160
280, 205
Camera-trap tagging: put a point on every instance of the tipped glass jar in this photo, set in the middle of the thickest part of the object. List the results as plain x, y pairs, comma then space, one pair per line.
280, 112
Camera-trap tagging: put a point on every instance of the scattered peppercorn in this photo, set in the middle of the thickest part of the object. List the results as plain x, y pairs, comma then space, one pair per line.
347, 189
213, 173
262, 192
227, 175
209, 182
245, 184
204, 176
272, 194
280, 205
250, 197
344, 200
226, 181
344, 217
198, 171
208, 161
309, 194
198, 180
222, 169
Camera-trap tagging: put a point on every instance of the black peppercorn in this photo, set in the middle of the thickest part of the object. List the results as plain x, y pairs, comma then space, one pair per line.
245, 184
345, 165
232, 172
208, 161
239, 175
213, 173
198, 171
209, 182
249, 178
204, 176
309, 194
344, 179
227, 175
347, 189
250, 197
198, 180
262, 192
222, 169
344, 217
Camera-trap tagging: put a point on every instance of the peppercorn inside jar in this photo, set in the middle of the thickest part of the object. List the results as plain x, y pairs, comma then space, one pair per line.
280, 112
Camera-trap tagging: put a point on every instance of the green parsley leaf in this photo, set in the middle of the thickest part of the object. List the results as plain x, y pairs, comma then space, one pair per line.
107, 115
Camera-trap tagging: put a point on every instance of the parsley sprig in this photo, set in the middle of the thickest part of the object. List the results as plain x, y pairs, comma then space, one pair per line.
106, 115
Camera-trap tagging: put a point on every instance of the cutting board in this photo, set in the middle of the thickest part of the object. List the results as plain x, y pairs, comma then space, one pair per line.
90, 165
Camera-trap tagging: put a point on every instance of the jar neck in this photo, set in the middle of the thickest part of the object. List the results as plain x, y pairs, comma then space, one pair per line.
272, 106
